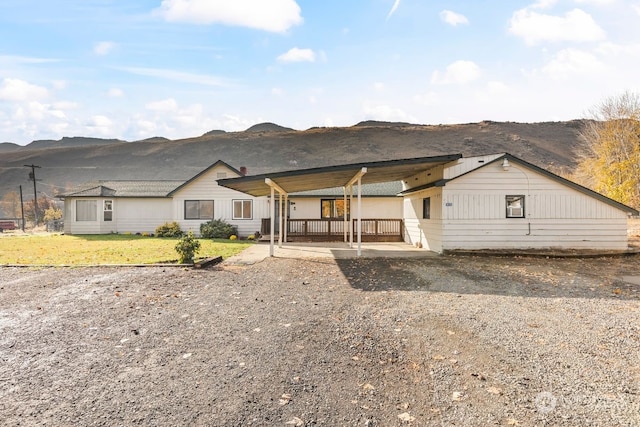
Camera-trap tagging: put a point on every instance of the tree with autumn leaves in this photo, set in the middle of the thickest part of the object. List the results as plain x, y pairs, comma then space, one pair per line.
610, 161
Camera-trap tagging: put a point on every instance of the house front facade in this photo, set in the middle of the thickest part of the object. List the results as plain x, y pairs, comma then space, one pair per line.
502, 202
141, 206
443, 203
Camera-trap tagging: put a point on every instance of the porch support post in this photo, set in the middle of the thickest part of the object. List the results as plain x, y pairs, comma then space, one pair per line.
359, 216
344, 216
280, 200
357, 178
286, 216
272, 208
275, 187
350, 217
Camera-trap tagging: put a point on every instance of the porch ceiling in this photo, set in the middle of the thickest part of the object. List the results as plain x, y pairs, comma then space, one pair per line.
335, 176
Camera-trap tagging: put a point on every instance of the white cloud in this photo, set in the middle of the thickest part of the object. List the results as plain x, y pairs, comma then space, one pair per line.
59, 84
101, 125
99, 121
103, 48
115, 92
453, 18
25, 59
269, 15
429, 98
459, 72
596, 2
544, 4
575, 25
378, 86
180, 76
298, 55
277, 91
571, 62
396, 3
165, 105
19, 90
497, 88
386, 113
65, 105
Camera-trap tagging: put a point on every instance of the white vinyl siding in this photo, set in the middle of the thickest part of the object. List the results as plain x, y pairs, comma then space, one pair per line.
426, 233
205, 187
555, 215
129, 215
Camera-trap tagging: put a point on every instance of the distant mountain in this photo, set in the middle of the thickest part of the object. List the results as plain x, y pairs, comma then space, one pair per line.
268, 127
214, 132
76, 141
8, 146
268, 147
374, 123
155, 139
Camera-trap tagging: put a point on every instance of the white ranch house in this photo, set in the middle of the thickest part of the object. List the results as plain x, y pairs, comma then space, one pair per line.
442, 203
140, 206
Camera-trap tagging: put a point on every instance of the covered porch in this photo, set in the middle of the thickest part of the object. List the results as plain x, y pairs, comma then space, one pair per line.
350, 177
333, 230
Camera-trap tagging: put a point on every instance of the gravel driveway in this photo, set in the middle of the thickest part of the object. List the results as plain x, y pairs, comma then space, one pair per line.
442, 341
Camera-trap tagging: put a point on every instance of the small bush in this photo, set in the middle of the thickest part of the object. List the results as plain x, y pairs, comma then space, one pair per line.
217, 229
233, 237
187, 247
169, 229
251, 237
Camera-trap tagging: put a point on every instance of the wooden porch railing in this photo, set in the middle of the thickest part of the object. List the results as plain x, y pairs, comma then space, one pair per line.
373, 230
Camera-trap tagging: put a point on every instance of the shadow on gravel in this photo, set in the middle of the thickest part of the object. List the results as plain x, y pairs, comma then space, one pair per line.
504, 276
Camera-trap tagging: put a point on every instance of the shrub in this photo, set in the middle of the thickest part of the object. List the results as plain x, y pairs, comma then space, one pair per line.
169, 229
187, 247
216, 229
233, 237
251, 237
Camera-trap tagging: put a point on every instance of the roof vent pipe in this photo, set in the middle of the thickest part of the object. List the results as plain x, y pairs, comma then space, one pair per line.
243, 170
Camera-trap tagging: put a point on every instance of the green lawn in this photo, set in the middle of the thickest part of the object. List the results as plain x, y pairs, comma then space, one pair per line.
58, 249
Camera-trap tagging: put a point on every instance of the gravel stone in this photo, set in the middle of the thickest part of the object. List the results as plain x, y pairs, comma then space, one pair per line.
443, 341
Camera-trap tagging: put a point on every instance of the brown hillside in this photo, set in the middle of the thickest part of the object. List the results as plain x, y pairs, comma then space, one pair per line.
550, 145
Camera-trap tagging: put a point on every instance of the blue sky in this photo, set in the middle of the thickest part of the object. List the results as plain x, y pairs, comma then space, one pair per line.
134, 69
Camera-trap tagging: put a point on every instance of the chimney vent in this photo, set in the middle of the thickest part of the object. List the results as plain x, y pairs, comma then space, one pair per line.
243, 170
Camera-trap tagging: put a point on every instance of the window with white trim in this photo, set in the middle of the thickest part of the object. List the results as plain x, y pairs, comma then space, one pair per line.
243, 209
515, 206
86, 210
108, 210
198, 209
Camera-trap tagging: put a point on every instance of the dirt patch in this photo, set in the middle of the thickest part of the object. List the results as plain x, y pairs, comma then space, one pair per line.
438, 341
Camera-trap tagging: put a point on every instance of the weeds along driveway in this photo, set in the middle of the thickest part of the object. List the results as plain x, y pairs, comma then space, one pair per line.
436, 341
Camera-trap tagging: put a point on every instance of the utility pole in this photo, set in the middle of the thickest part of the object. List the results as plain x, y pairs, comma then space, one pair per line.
32, 176
22, 208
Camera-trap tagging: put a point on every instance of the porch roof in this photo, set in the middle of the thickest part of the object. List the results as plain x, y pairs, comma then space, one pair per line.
335, 176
